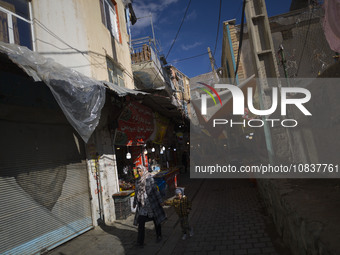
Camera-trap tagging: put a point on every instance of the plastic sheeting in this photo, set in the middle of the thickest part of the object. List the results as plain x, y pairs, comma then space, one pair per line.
80, 98
331, 24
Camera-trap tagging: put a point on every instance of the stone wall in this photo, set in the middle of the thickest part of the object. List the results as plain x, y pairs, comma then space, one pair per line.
305, 226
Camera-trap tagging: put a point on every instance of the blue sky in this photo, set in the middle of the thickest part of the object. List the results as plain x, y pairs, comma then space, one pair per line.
198, 31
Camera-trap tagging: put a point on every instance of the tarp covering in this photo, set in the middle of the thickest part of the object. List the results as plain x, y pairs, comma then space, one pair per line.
80, 98
331, 24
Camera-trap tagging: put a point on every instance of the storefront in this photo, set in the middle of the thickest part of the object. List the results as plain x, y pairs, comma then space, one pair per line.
139, 140
45, 198
61, 157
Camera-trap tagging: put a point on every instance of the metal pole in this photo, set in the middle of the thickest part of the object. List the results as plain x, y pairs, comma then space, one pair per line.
212, 61
153, 32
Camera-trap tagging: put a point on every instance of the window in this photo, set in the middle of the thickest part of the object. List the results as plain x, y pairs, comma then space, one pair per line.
115, 74
15, 23
180, 80
110, 19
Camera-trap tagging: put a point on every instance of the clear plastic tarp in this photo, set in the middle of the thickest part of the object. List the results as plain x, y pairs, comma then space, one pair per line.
80, 98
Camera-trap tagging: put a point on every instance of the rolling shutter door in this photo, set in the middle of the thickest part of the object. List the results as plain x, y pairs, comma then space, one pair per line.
44, 193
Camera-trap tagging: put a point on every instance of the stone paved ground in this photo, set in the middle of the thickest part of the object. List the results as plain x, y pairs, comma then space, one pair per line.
227, 217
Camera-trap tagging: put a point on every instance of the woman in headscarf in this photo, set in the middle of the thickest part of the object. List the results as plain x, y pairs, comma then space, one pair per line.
148, 202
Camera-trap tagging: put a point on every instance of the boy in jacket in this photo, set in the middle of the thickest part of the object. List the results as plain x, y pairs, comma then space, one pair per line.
182, 206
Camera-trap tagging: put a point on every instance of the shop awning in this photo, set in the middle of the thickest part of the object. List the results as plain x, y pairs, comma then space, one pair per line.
156, 99
81, 98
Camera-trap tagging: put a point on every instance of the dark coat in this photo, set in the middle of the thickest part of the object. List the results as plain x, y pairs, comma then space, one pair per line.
155, 201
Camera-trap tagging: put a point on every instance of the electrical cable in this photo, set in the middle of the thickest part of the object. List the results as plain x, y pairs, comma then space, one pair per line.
304, 44
241, 38
183, 59
218, 26
179, 29
75, 49
159, 71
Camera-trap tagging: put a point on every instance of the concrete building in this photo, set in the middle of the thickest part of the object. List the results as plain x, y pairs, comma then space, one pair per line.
57, 186
147, 67
229, 56
89, 36
301, 51
181, 85
306, 53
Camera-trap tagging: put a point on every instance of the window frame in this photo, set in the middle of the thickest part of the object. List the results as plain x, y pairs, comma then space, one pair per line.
108, 15
10, 30
115, 73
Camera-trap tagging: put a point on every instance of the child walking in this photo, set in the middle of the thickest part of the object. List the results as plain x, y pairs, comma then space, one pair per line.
182, 207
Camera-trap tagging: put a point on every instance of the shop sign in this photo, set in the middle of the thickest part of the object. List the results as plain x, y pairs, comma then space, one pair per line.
135, 125
161, 127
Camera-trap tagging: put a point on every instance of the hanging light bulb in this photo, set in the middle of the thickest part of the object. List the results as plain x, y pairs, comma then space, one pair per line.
145, 151
174, 149
153, 149
128, 155
161, 152
163, 148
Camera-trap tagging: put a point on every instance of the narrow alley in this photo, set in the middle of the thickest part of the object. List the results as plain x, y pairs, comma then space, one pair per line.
227, 217
112, 110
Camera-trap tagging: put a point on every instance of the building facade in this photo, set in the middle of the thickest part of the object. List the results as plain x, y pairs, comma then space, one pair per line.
181, 88
58, 184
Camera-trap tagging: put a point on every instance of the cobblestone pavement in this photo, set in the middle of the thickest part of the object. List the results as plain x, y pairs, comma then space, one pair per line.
228, 218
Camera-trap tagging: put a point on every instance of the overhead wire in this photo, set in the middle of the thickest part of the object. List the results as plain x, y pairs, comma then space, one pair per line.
183, 59
241, 38
305, 41
179, 29
39, 23
67, 44
218, 26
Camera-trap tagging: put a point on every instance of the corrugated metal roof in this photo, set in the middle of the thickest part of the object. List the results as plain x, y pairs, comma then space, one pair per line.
122, 91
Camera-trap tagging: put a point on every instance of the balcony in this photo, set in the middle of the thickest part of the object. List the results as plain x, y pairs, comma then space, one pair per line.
146, 65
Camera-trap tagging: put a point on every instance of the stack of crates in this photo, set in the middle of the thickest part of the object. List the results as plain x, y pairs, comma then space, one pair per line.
122, 207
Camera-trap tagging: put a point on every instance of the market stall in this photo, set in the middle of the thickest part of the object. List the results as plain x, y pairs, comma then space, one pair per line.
167, 180
139, 141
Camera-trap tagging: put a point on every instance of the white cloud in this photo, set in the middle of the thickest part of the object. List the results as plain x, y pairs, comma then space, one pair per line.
145, 8
192, 15
190, 46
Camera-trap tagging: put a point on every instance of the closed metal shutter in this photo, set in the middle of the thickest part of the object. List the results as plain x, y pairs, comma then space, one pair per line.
44, 194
